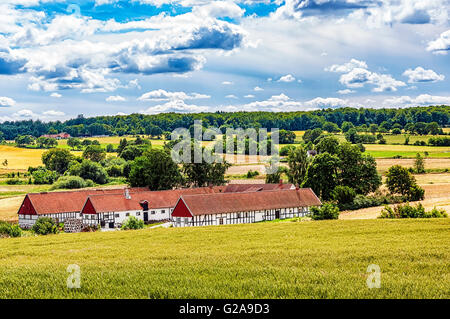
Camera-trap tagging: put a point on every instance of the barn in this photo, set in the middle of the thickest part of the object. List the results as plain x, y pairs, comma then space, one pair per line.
244, 207
59, 205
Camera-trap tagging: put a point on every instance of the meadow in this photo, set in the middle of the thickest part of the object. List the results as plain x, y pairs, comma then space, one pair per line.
310, 259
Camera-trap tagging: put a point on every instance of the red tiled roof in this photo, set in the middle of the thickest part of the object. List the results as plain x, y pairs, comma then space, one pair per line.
238, 188
67, 201
155, 199
248, 201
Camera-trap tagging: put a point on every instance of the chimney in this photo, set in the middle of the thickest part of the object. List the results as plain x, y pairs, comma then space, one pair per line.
280, 182
127, 193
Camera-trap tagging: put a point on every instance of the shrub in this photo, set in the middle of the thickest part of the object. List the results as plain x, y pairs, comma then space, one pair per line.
44, 176
416, 193
45, 226
343, 194
9, 230
133, 223
327, 211
407, 211
14, 181
251, 174
71, 182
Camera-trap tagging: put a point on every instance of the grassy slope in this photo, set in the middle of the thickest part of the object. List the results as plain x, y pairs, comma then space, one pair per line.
325, 259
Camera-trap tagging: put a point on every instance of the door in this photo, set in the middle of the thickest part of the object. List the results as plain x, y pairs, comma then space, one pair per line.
145, 216
277, 214
111, 225
102, 223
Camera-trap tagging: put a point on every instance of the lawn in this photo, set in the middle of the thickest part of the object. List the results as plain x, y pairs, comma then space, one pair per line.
408, 151
314, 259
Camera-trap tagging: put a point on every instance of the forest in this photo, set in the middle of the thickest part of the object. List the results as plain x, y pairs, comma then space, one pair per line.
411, 119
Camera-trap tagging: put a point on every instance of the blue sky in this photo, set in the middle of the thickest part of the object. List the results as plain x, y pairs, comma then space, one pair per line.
59, 58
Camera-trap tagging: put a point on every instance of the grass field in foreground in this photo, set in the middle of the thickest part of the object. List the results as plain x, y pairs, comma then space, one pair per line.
316, 259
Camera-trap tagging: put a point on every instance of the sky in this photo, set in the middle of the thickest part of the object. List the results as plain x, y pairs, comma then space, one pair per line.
59, 58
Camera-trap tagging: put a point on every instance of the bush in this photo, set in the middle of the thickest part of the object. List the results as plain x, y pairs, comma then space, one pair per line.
133, 223
14, 181
407, 211
343, 194
45, 226
416, 193
9, 230
44, 176
71, 182
251, 174
327, 211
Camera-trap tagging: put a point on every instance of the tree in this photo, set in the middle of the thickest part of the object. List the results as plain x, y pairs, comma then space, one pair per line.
130, 152
357, 170
154, 169
419, 164
89, 170
298, 162
346, 126
94, 153
327, 211
322, 175
328, 144
373, 128
204, 173
312, 135
352, 136
330, 127
399, 180
74, 142
122, 144
45, 226
286, 137
396, 131
57, 159
44, 176
275, 177
132, 223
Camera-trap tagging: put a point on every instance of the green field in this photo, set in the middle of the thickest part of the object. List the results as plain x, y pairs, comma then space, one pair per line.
315, 259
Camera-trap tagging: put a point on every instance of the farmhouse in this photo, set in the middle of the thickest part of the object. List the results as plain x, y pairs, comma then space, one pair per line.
245, 207
111, 210
58, 136
59, 205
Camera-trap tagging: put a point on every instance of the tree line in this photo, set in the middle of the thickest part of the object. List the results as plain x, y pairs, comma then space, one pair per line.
158, 124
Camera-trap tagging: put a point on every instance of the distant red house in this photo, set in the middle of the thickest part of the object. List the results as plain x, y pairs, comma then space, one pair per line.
59, 136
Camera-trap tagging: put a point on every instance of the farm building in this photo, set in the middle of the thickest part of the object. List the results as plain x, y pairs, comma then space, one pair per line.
245, 207
59, 136
59, 205
112, 210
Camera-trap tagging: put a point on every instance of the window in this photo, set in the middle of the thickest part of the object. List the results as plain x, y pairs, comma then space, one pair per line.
153, 212
163, 211
117, 215
138, 213
220, 221
127, 214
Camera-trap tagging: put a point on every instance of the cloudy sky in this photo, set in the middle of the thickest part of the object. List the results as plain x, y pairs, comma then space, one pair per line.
59, 58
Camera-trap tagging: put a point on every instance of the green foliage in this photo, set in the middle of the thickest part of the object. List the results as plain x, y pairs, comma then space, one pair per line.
298, 162
9, 230
286, 137
46, 142
284, 151
154, 169
89, 170
130, 152
45, 226
407, 211
94, 153
419, 164
132, 223
74, 142
14, 181
343, 194
346, 126
399, 180
326, 211
330, 127
312, 135
44, 176
396, 131
251, 174
322, 175
57, 159
416, 193
328, 144
23, 140
71, 182
439, 141
276, 175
